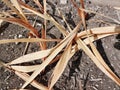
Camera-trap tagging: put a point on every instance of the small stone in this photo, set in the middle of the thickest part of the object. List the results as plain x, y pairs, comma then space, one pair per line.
38, 24
62, 21
8, 87
63, 1
16, 37
20, 36
21, 84
96, 85
1, 34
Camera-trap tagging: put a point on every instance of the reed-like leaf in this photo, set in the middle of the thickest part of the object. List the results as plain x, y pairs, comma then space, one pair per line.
31, 57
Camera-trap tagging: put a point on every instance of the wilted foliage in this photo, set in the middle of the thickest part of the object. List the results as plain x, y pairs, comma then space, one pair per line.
69, 45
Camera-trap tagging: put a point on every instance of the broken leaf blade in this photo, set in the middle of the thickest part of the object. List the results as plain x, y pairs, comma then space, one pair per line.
31, 57
25, 68
60, 67
56, 50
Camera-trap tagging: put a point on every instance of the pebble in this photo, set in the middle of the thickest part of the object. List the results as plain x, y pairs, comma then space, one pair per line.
21, 84
38, 24
63, 1
20, 36
17, 37
96, 85
1, 34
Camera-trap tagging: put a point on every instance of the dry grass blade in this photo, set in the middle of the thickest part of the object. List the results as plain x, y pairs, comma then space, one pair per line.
25, 68
32, 56
27, 7
60, 13
39, 5
101, 62
9, 4
34, 83
60, 67
22, 23
100, 59
47, 17
82, 13
1, 21
94, 38
20, 89
24, 76
100, 31
63, 51
18, 7
82, 45
2, 64
118, 8
56, 50
44, 26
28, 40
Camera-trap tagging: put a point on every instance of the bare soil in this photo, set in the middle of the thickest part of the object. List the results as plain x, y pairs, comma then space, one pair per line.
80, 71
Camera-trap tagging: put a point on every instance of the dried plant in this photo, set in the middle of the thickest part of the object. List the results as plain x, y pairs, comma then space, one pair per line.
70, 44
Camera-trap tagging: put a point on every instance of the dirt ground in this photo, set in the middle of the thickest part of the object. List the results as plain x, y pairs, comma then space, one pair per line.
80, 71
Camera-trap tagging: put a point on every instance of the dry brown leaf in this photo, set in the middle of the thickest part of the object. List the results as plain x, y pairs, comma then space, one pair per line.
24, 76
46, 16
60, 13
27, 7
31, 57
100, 31
56, 50
3, 41
9, 4
43, 35
25, 68
34, 83
118, 8
22, 23
94, 38
39, 5
101, 61
82, 45
1, 21
18, 7
60, 67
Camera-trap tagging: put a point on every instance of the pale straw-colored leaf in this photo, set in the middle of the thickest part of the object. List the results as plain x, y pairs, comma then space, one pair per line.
60, 13
22, 23
97, 37
118, 8
101, 61
30, 9
38, 4
18, 7
46, 16
3, 41
104, 67
34, 83
83, 46
20, 89
60, 67
9, 4
100, 31
56, 50
1, 21
31, 57
2, 64
24, 76
25, 68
